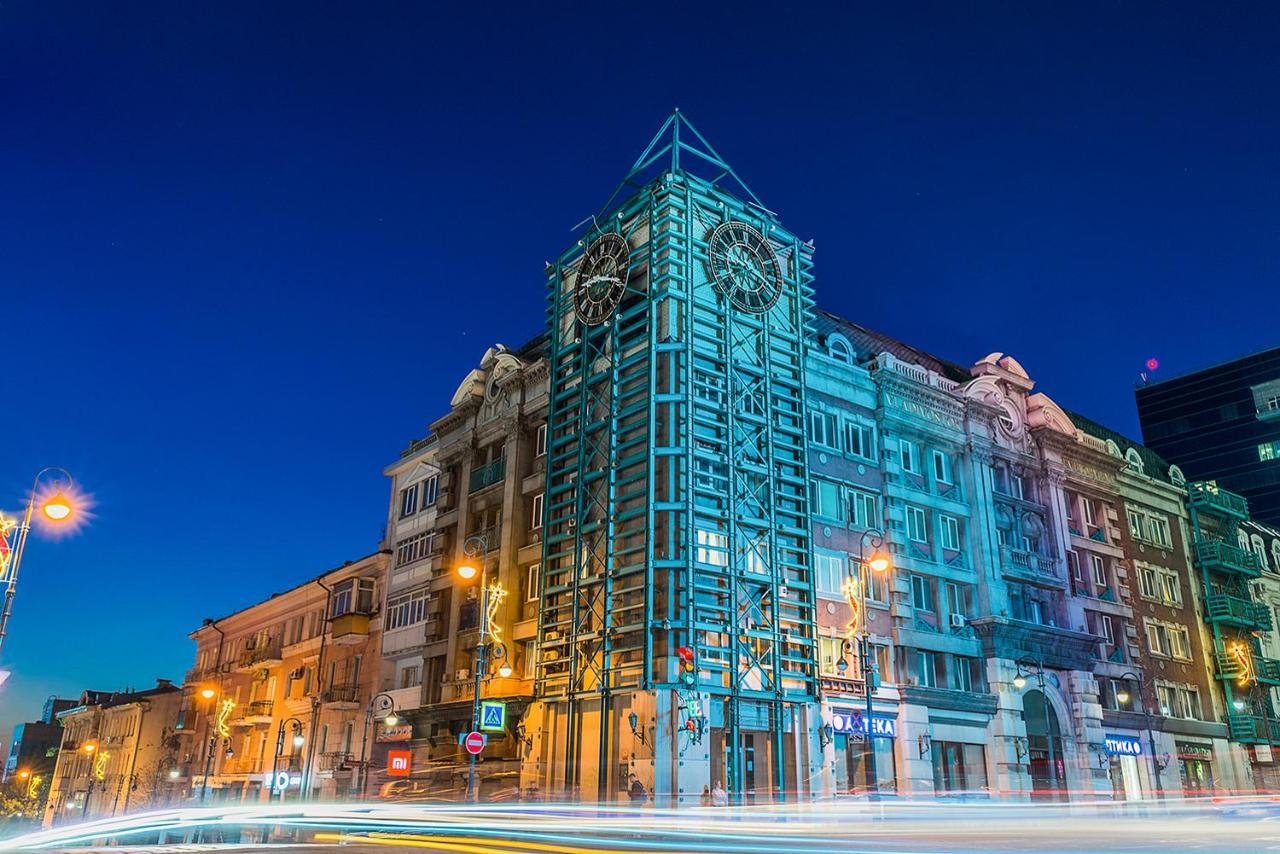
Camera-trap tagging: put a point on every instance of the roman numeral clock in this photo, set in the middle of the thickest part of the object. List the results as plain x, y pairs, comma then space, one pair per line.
744, 267
602, 279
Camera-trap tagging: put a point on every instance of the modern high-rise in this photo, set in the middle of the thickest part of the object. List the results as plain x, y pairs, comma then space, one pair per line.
1222, 423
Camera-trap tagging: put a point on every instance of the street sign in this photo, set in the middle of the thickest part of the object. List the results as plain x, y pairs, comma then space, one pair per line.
475, 742
398, 762
493, 716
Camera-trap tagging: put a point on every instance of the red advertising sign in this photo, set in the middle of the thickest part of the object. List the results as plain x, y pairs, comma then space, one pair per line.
398, 763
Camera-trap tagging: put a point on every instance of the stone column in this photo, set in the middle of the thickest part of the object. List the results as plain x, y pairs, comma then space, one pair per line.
1008, 732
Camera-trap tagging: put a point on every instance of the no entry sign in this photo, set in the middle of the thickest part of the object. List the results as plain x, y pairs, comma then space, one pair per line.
474, 742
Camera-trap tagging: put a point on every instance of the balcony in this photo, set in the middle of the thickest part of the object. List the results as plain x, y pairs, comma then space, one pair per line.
342, 697
259, 657
237, 766
1208, 498
339, 762
1030, 567
1229, 667
488, 474
253, 713
1232, 610
1221, 556
1253, 729
349, 629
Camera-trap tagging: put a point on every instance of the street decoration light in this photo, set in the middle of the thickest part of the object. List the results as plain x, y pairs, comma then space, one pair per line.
859, 632
1123, 697
298, 740
386, 704
63, 508
476, 547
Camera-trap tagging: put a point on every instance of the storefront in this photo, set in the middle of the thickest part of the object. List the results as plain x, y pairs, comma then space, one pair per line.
849, 727
958, 767
1124, 752
1195, 759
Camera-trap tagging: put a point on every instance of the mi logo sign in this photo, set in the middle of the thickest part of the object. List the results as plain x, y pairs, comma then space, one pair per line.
398, 763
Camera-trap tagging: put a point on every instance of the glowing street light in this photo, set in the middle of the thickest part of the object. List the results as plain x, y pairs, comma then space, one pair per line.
467, 571
62, 510
879, 561
24, 774
208, 693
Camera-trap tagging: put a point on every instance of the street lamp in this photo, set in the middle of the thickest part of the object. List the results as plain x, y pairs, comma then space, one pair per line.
378, 703
1123, 697
879, 561
1031, 666
57, 503
476, 547
89, 749
298, 740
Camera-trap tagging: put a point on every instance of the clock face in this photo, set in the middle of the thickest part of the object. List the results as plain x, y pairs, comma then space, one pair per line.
602, 278
744, 267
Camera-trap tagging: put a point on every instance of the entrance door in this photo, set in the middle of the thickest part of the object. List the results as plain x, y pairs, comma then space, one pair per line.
1044, 747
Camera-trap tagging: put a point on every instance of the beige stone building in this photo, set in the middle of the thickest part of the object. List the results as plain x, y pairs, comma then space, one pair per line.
278, 700
119, 753
477, 477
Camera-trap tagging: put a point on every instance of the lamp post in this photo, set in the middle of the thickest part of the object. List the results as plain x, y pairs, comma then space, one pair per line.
1123, 696
878, 562
89, 749
1028, 666
477, 546
298, 740
208, 694
382, 703
57, 507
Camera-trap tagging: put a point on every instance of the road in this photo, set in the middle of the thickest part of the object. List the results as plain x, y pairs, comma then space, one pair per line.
916, 827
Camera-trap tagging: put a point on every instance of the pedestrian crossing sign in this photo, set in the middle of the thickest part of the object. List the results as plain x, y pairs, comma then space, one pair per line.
493, 716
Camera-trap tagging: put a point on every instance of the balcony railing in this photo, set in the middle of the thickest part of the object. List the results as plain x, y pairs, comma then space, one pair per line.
1030, 564
346, 694
238, 765
488, 474
1206, 496
256, 709
1223, 608
1253, 729
337, 761
1224, 557
263, 656
1230, 667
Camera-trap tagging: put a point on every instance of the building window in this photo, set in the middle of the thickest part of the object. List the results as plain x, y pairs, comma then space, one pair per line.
408, 501
407, 609
864, 509
1159, 527
1107, 625
410, 677
822, 429
829, 568
536, 522
830, 651
838, 348
531, 583
859, 440
430, 491
826, 500
916, 529
353, 596
1099, 569
926, 673
1017, 486
713, 548
949, 532
1269, 451
1168, 640
909, 454
941, 468
540, 441
414, 548
1136, 528
922, 598
1073, 565
958, 767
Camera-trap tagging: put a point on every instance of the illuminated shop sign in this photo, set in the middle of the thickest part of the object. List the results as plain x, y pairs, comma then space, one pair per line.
1123, 745
849, 722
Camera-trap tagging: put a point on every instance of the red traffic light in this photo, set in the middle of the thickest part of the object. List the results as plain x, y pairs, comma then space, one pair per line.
685, 654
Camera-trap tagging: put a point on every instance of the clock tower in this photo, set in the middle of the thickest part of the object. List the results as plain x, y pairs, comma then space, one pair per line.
676, 636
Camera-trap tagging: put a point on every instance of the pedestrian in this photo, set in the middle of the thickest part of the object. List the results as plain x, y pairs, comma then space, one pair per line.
705, 800
638, 793
719, 797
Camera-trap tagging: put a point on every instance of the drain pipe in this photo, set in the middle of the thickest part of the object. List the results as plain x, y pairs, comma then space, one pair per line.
315, 699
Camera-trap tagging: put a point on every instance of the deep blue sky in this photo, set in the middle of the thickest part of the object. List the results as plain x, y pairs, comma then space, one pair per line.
248, 250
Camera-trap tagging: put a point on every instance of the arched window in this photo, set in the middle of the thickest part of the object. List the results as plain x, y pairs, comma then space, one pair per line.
839, 348
1176, 477
1243, 540
1133, 460
1260, 549
1275, 555
1113, 449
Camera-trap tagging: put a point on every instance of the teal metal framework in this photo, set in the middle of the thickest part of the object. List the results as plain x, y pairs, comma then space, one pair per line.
677, 479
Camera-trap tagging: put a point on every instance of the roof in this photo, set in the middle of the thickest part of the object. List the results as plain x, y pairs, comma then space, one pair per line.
868, 342
1216, 366
1152, 463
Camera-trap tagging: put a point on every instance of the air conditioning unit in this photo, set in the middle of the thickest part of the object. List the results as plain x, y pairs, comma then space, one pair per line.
958, 621
462, 674
297, 673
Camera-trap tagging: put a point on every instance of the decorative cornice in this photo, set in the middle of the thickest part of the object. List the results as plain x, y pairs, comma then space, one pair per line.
1062, 649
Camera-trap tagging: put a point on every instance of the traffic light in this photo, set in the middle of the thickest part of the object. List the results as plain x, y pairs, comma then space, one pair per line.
688, 670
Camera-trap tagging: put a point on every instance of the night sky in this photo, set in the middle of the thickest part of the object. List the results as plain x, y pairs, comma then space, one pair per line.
247, 251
